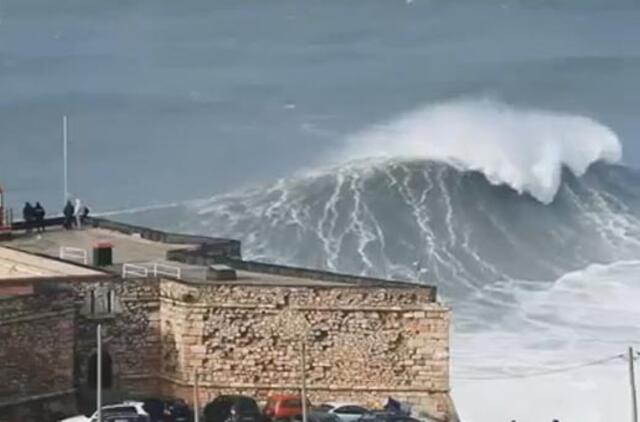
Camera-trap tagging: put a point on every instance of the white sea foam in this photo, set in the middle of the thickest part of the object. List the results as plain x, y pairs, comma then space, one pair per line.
584, 316
525, 149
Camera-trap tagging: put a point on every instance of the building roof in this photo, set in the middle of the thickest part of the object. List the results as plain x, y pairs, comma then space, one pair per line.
186, 257
16, 265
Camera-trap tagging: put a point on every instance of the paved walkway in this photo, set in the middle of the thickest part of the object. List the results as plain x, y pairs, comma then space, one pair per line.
126, 248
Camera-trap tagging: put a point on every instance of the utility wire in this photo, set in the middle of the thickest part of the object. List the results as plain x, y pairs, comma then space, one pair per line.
547, 372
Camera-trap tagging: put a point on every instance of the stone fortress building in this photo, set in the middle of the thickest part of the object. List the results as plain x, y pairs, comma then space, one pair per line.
174, 307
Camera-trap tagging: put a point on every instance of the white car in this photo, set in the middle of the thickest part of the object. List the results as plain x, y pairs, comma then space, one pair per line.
347, 412
115, 413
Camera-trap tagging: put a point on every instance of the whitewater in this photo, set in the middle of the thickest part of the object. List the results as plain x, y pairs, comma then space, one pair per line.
524, 219
524, 149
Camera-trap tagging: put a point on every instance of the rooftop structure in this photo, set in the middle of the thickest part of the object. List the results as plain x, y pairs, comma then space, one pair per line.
190, 258
15, 264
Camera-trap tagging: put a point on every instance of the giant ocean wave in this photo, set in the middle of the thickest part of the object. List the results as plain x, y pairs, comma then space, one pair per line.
459, 194
523, 219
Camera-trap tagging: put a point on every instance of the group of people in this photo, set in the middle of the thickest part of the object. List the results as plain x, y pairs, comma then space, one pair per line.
34, 217
74, 214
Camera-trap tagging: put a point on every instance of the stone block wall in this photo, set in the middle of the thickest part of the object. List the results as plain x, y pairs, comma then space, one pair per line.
36, 355
362, 344
128, 311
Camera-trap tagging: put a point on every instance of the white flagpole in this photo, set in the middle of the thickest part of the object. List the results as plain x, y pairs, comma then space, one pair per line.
99, 374
66, 159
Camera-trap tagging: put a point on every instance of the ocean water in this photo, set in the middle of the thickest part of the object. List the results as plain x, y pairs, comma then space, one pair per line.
489, 148
534, 246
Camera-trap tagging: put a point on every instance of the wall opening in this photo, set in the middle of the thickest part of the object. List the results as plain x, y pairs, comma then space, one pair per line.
107, 371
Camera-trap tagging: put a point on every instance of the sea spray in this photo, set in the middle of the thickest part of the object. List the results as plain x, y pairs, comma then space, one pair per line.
524, 149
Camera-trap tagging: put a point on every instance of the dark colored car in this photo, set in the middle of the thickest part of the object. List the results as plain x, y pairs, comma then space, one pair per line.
233, 409
161, 410
319, 417
180, 411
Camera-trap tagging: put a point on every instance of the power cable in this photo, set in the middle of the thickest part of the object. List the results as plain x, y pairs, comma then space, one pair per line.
547, 372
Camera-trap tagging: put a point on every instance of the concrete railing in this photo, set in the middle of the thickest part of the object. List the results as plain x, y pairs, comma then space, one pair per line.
151, 269
48, 222
213, 246
74, 254
134, 271
199, 256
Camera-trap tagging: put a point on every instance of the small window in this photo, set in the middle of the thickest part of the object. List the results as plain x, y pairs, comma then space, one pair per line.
324, 408
100, 301
247, 405
292, 404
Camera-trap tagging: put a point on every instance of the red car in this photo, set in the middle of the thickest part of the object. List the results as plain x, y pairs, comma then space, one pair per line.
283, 406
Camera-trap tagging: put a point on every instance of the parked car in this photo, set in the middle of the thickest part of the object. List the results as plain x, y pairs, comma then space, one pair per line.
283, 406
233, 409
180, 411
129, 411
315, 416
161, 410
385, 416
125, 417
347, 412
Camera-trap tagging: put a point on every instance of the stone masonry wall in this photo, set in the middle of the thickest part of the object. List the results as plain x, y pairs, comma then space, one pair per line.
36, 355
363, 344
129, 313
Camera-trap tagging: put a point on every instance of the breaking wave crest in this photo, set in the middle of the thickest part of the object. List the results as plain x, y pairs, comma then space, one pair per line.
524, 149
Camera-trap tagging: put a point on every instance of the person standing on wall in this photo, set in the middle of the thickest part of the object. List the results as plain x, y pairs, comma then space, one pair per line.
77, 212
68, 215
84, 213
28, 217
39, 213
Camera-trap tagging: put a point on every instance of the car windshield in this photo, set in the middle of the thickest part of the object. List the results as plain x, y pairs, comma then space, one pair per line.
351, 410
292, 404
324, 407
246, 405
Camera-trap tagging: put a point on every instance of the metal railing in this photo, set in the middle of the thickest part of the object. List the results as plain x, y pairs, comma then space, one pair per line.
167, 270
74, 254
149, 269
134, 271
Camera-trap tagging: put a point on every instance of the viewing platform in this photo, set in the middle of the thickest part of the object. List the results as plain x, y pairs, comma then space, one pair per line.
138, 251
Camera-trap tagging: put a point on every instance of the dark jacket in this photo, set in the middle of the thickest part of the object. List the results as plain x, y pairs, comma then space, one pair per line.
27, 212
39, 212
68, 210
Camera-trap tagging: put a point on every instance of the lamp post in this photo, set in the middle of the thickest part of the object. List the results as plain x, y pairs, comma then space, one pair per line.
99, 373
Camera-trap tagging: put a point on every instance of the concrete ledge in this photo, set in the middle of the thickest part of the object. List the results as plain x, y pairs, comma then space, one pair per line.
215, 246
43, 315
418, 390
199, 256
39, 397
353, 280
